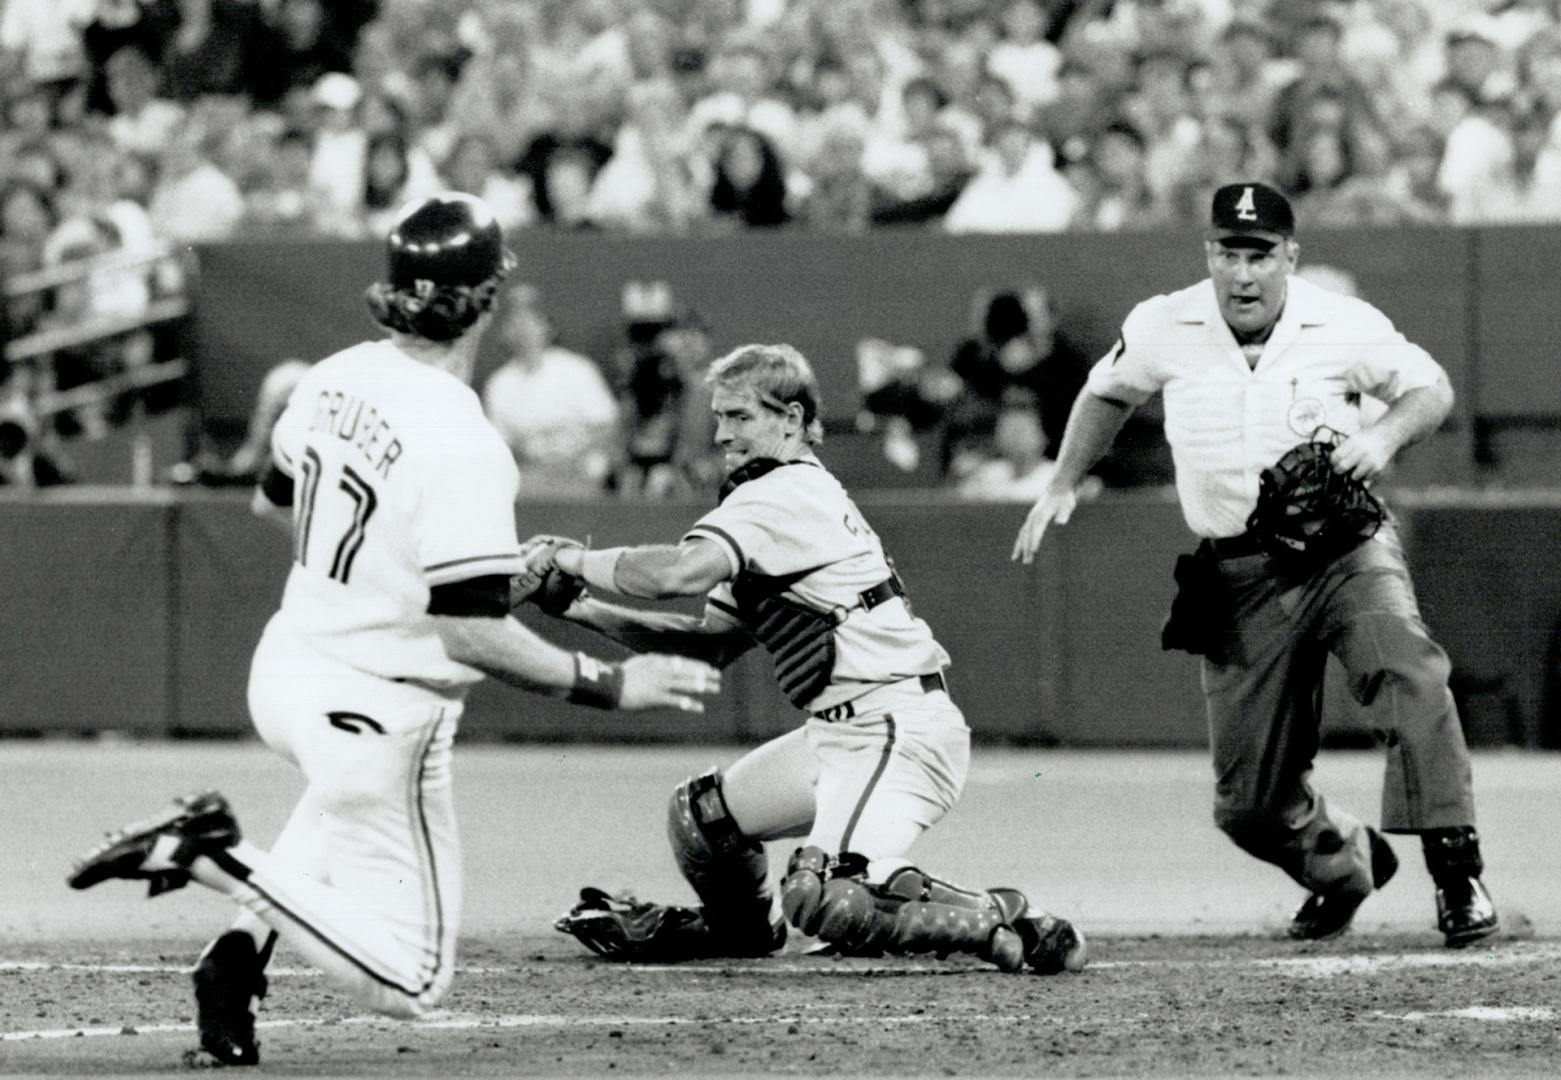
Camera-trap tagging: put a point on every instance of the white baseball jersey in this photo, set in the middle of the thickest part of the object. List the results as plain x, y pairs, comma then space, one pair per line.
400, 484
798, 522
1226, 421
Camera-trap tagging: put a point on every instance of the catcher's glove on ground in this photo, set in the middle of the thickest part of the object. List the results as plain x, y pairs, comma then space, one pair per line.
623, 928
1308, 513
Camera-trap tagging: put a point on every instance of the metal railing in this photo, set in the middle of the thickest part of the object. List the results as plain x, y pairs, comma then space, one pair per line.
37, 349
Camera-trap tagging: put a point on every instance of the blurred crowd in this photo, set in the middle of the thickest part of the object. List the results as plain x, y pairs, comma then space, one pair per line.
134, 122
236, 117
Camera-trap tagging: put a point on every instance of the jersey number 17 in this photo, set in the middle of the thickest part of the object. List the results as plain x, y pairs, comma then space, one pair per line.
361, 494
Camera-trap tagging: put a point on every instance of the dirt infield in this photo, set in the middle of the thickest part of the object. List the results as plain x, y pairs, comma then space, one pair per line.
1369, 1006
1188, 977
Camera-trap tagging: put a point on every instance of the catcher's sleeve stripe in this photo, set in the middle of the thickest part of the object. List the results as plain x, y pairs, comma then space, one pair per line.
724, 539
508, 564
277, 486
484, 597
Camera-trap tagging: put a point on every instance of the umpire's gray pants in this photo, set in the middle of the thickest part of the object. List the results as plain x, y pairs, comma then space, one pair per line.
1264, 703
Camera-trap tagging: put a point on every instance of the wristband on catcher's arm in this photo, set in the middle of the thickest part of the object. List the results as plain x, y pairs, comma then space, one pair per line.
599, 568
598, 685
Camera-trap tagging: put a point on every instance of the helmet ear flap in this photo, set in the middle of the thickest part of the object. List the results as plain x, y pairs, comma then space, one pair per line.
443, 313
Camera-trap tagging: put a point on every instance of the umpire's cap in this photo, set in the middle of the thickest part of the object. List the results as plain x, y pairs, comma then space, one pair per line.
446, 239
1250, 214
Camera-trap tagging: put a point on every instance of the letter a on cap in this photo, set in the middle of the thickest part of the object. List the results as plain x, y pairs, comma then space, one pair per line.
1246, 206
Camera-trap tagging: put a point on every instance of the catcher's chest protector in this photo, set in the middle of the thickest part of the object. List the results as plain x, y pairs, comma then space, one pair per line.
800, 639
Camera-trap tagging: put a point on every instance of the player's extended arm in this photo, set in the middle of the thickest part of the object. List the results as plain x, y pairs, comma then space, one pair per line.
506, 649
1417, 413
661, 631
653, 572
1092, 428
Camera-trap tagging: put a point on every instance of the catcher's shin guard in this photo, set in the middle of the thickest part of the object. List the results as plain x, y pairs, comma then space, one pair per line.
728, 871
910, 912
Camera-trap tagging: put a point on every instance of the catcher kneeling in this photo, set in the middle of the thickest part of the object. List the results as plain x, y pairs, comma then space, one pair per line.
787, 561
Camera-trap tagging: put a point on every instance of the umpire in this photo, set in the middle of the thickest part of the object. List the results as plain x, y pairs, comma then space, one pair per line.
1253, 364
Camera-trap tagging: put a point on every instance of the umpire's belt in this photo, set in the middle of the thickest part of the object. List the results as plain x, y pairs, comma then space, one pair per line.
1234, 547
926, 684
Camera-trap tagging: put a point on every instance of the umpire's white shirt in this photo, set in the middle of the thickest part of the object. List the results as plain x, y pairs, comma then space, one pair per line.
1226, 421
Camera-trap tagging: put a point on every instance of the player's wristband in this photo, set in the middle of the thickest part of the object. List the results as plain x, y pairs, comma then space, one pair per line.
598, 685
599, 567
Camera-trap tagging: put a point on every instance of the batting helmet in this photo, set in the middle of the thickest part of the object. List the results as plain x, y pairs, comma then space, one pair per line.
446, 257
448, 239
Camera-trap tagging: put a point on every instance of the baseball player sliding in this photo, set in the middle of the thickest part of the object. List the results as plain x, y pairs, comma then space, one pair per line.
786, 560
400, 497
1255, 363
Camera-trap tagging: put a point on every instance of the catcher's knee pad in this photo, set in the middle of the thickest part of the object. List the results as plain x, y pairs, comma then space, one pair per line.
727, 870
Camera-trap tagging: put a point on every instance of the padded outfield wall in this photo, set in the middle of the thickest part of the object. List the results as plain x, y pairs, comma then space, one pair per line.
139, 616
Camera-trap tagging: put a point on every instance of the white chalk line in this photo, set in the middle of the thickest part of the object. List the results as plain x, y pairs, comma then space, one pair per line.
474, 1022
1304, 966
1499, 1014
1309, 966
470, 1021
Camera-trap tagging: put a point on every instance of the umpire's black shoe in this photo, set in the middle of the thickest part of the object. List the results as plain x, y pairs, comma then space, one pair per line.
1465, 912
1323, 916
229, 981
161, 848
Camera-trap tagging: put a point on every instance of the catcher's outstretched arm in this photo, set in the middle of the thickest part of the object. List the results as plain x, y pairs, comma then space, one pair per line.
654, 572
662, 631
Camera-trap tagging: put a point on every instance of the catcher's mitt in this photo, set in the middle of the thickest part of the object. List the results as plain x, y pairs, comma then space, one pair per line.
623, 928
1308, 514
543, 583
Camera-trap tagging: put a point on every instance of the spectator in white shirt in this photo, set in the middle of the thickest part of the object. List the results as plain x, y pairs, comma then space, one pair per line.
552, 406
1024, 59
1016, 190
142, 122
194, 201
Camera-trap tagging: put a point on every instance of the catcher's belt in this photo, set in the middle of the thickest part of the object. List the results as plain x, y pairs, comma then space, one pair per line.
800, 638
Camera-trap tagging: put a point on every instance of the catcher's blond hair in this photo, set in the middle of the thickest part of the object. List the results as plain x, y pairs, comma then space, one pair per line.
779, 375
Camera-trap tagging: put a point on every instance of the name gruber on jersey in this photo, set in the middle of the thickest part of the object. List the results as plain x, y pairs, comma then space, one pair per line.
355, 421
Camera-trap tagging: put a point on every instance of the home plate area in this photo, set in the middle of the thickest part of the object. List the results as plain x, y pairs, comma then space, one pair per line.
1147, 1005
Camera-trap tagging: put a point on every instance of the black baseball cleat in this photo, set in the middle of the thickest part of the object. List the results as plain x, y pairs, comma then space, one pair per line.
161, 848
229, 982
1052, 945
1323, 917
1465, 912
1049, 944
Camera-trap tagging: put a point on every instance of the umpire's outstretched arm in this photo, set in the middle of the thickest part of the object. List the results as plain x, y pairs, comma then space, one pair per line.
1093, 426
